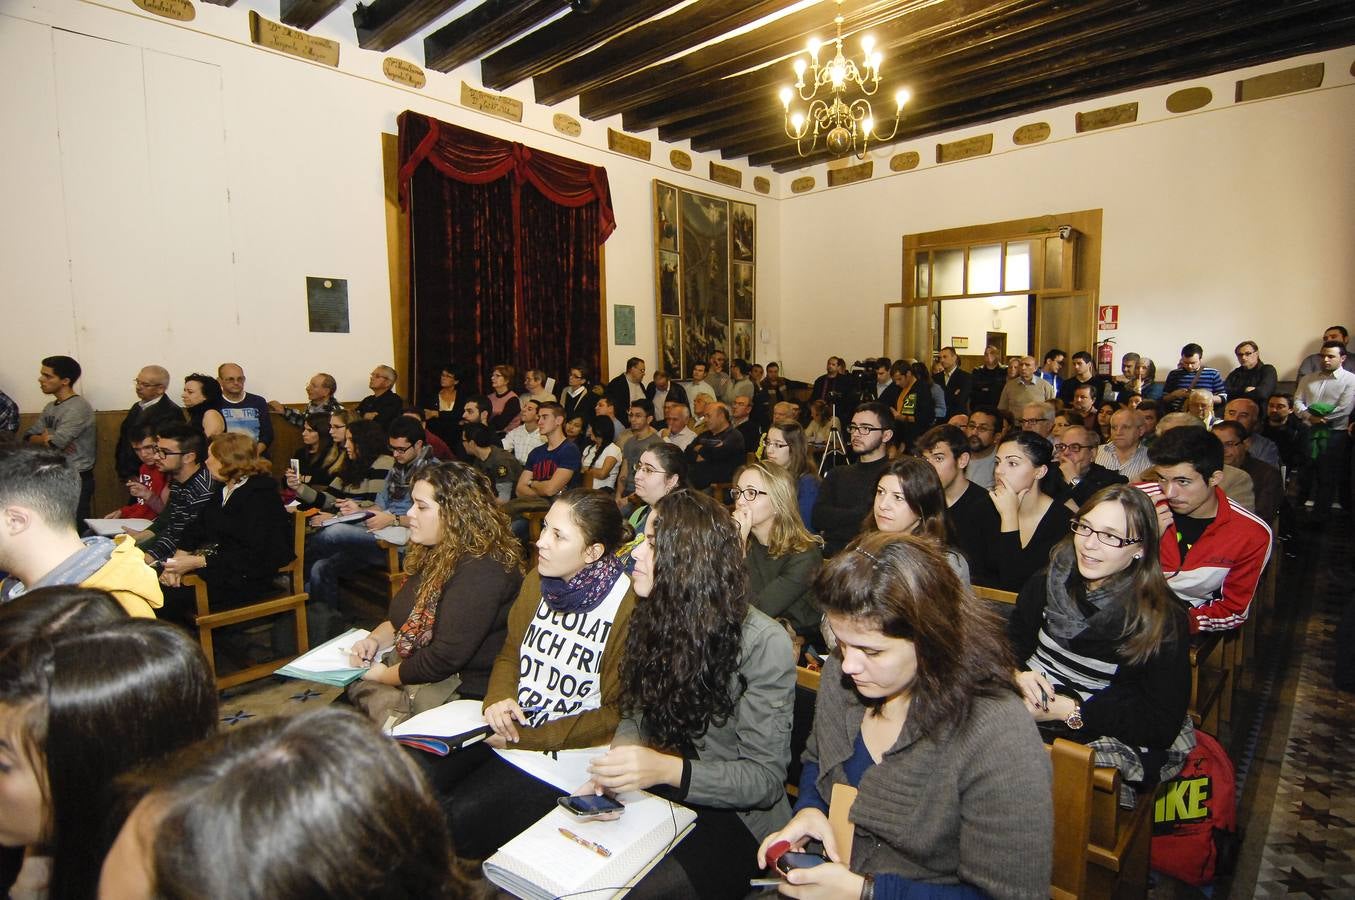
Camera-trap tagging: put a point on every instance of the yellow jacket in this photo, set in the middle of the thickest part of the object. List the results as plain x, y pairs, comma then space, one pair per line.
127, 577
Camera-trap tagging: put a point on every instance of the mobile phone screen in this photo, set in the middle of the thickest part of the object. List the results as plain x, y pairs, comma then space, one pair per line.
590, 805
793, 859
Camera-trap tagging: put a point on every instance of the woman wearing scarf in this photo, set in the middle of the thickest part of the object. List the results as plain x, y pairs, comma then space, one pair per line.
555, 683
1103, 643
465, 568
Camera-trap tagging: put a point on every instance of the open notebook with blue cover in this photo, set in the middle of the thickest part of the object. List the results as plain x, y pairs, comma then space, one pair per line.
444, 728
328, 663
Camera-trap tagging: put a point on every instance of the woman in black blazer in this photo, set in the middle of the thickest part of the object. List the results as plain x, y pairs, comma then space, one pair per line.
244, 535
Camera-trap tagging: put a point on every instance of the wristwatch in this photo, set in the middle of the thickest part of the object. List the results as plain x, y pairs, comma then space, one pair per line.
1074, 720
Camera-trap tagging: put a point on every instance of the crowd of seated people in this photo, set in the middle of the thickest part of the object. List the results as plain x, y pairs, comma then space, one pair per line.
1126, 514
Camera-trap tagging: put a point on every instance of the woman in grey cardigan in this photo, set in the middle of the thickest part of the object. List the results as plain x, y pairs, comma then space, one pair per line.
707, 693
918, 710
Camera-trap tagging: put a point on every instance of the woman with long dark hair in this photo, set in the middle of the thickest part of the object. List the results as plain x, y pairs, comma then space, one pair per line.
202, 404
449, 402
540, 698
367, 462
909, 499
780, 554
787, 446
233, 817
661, 470
707, 688
465, 568
602, 457
1026, 481
1102, 643
317, 458
917, 709
78, 709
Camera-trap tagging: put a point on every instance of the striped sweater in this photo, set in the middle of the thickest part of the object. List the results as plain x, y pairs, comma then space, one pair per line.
364, 491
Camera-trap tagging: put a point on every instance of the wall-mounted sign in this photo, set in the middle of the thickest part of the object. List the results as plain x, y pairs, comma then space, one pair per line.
1108, 318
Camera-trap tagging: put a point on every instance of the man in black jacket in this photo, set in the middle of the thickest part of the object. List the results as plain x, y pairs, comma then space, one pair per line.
151, 408
956, 382
629, 385
848, 493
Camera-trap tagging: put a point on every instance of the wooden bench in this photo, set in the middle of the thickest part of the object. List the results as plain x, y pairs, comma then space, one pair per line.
291, 599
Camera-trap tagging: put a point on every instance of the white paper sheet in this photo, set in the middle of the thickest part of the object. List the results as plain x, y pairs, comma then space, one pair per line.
115, 527
565, 769
331, 656
446, 720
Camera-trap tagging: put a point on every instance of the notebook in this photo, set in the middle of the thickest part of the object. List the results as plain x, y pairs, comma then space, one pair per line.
543, 863
444, 728
115, 527
328, 663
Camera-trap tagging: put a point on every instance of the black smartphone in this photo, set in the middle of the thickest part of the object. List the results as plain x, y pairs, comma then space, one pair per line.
586, 806
794, 859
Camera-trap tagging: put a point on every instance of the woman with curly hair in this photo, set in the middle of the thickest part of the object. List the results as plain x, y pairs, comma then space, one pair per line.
918, 710
707, 691
465, 568
787, 446
781, 556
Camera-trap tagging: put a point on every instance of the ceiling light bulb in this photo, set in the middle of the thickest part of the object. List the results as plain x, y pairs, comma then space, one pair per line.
875, 60
838, 73
902, 96
799, 67
813, 47
785, 97
867, 44
797, 121
868, 126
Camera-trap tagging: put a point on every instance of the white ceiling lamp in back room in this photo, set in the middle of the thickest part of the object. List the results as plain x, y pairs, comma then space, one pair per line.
847, 127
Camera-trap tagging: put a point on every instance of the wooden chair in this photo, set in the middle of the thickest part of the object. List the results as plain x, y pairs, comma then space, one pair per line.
1100, 849
995, 595
1072, 787
292, 599
1209, 678
534, 520
395, 573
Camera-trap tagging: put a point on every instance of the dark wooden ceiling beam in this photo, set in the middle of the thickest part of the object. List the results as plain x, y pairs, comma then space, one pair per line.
305, 13
566, 37
703, 21
490, 24
770, 45
1177, 63
384, 23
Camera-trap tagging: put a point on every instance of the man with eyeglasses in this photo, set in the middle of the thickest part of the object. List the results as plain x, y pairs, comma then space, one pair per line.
848, 492
152, 408
382, 405
1125, 453
1267, 486
717, 451
1213, 549
1075, 451
320, 398
1247, 412
642, 437
179, 450
578, 400
1037, 417
984, 427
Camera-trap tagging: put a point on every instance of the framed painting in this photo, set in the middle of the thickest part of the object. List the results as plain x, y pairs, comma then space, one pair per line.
704, 275
743, 341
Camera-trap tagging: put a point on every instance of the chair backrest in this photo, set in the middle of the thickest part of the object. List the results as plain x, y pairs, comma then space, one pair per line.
295, 570
1073, 770
995, 595
839, 806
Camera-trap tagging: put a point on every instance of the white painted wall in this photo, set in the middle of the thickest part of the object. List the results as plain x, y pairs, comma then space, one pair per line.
1234, 222
171, 186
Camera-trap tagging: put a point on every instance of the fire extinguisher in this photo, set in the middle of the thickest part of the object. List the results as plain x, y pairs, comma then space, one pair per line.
1105, 356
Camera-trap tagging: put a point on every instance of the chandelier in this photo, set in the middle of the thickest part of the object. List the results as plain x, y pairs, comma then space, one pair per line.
846, 127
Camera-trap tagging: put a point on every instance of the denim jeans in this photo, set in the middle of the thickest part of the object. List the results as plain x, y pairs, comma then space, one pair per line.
336, 552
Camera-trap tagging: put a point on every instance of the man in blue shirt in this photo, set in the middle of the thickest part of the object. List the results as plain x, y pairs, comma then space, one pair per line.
245, 413
1191, 375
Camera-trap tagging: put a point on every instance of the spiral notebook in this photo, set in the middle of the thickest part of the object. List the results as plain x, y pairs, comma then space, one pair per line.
543, 863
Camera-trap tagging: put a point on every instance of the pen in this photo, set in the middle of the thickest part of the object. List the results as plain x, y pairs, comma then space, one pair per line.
1044, 699
596, 848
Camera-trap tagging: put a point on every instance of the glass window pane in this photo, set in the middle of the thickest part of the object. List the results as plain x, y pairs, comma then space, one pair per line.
985, 269
947, 273
1017, 271
922, 284
1053, 263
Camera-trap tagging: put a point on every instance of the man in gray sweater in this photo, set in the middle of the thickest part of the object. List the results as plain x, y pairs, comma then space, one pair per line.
67, 424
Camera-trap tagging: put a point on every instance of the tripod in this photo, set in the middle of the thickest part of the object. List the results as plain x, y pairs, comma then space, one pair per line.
834, 448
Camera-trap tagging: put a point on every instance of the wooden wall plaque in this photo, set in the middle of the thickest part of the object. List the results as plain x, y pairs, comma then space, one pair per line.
276, 36
726, 175
566, 125
1188, 99
1273, 84
402, 72
493, 104
762, 185
628, 144
902, 162
851, 174
802, 184
681, 160
1108, 117
1030, 134
980, 145
179, 10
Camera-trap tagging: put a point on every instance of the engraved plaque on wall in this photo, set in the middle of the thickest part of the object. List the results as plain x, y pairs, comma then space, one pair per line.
402, 72
1030, 134
276, 36
964, 149
179, 10
902, 162
1273, 84
628, 144
762, 185
566, 125
850, 174
493, 104
726, 175
802, 184
680, 160
1123, 114
1188, 99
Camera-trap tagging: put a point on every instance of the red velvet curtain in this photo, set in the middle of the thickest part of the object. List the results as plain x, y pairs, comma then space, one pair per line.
505, 245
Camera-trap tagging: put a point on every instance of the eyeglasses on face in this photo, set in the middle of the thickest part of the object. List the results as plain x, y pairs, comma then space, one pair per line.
161, 451
146, 384
1075, 448
775, 445
855, 428
646, 469
396, 451
749, 493
1029, 421
1082, 529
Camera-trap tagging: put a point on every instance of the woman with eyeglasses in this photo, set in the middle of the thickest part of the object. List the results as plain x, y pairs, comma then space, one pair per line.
661, 470
780, 554
1103, 645
1026, 481
787, 446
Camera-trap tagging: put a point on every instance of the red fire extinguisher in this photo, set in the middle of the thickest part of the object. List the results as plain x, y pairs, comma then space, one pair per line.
1105, 356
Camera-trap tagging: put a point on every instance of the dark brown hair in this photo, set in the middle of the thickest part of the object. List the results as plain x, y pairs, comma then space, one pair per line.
903, 586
